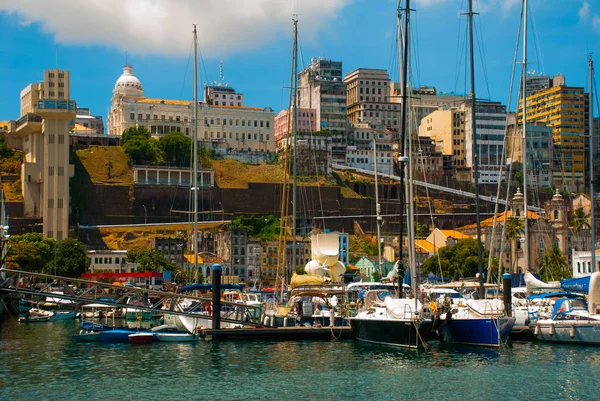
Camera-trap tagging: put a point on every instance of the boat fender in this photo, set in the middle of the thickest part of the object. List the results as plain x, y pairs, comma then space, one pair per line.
448, 316
572, 331
536, 331
551, 331
436, 322
208, 308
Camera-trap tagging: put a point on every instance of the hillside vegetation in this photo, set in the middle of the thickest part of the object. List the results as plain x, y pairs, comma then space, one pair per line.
231, 173
106, 165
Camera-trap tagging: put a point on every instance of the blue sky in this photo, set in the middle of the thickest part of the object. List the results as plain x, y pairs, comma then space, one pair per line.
253, 39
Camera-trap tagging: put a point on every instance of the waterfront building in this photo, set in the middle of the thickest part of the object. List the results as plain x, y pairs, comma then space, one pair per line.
231, 246
426, 99
112, 261
320, 87
562, 108
430, 165
359, 152
42, 133
225, 124
582, 263
253, 252
172, 249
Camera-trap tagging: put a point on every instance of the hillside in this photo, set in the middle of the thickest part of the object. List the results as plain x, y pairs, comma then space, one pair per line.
106, 165
231, 173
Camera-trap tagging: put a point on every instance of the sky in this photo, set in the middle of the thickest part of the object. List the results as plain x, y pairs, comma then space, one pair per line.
253, 41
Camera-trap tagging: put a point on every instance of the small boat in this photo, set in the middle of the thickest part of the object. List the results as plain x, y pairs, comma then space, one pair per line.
170, 333
87, 337
36, 312
141, 338
34, 319
116, 335
91, 326
64, 315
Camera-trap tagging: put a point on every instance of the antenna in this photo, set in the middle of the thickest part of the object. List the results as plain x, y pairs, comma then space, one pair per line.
221, 72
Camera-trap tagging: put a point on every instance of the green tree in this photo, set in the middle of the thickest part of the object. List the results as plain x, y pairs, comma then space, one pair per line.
143, 151
515, 227
135, 132
553, 265
149, 260
176, 148
580, 221
460, 260
69, 259
30, 252
421, 230
262, 228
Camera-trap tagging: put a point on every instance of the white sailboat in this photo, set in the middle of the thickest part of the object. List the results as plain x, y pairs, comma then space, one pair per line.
385, 318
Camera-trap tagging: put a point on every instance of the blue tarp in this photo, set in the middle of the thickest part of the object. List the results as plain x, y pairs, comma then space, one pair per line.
580, 284
406, 280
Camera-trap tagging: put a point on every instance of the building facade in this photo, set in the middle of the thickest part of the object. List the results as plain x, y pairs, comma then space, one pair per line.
172, 249
361, 140
320, 87
42, 133
231, 246
224, 124
306, 122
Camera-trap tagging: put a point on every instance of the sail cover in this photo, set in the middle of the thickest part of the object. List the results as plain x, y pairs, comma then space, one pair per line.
579, 284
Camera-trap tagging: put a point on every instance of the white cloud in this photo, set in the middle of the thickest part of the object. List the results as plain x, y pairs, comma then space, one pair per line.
584, 11
596, 24
165, 27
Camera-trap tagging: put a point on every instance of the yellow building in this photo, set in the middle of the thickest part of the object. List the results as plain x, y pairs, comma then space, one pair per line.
562, 108
447, 127
42, 133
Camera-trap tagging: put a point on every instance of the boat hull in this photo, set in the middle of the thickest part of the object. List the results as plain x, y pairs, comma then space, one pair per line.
397, 332
115, 336
572, 332
141, 338
175, 337
485, 332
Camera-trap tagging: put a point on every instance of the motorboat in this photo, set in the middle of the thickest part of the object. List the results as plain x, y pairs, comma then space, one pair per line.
170, 333
141, 338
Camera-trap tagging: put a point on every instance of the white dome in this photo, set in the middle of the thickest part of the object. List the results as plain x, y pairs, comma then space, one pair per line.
128, 84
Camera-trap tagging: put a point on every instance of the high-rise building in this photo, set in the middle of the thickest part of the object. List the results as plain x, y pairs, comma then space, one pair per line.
368, 98
42, 133
425, 100
491, 129
320, 87
563, 109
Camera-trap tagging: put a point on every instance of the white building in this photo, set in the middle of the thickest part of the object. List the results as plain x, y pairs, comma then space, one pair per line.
582, 263
225, 124
359, 152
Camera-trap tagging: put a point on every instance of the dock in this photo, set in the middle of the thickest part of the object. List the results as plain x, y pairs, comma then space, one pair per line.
280, 333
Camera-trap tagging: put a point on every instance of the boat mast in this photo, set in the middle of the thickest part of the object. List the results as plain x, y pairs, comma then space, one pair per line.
402, 159
591, 157
475, 150
524, 144
377, 206
294, 161
195, 158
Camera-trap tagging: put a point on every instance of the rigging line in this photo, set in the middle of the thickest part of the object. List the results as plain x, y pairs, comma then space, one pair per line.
186, 69
481, 48
457, 52
508, 186
536, 38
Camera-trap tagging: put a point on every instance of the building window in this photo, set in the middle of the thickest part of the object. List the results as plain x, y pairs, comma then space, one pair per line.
50, 171
50, 203
61, 139
59, 203
132, 116
51, 139
541, 244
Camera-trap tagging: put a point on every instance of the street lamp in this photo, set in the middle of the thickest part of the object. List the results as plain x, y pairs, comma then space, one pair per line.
145, 213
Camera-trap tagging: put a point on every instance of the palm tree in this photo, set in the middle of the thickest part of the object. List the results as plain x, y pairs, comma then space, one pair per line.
514, 229
553, 265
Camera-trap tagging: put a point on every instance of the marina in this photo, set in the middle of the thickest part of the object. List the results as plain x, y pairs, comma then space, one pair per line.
46, 363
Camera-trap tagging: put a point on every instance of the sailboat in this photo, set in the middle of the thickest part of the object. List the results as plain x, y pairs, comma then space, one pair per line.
385, 318
572, 320
480, 322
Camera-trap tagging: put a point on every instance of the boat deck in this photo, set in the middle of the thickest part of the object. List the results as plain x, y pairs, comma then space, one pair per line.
280, 333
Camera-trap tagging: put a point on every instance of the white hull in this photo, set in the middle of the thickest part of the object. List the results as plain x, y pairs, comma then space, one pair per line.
568, 331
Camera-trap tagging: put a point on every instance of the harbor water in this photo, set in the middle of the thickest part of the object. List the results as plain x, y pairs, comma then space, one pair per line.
40, 361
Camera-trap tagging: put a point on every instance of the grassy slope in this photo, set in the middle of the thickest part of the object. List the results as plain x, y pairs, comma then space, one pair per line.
95, 160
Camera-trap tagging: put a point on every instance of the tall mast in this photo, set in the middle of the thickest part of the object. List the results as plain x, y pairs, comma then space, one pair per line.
475, 150
524, 144
403, 157
591, 157
294, 117
377, 206
195, 158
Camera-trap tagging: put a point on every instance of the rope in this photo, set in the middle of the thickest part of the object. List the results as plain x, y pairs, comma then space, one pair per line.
419, 335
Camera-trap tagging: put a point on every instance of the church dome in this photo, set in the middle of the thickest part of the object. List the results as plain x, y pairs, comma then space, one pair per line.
128, 84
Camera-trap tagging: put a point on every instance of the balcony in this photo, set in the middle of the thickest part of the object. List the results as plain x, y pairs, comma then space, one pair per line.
27, 125
57, 109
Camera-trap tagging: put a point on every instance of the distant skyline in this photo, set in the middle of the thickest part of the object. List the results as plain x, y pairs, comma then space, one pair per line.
253, 39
